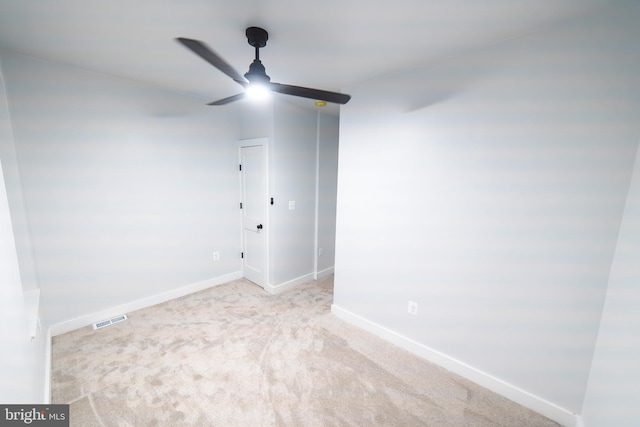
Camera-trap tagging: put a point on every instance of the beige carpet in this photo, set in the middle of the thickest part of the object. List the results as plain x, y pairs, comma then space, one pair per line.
235, 356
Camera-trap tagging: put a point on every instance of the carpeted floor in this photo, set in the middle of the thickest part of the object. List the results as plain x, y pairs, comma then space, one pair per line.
233, 355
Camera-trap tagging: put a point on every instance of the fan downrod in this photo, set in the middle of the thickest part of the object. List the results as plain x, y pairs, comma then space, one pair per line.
257, 37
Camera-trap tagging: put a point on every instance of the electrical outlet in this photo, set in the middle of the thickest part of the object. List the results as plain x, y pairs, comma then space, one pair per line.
292, 205
413, 308
216, 256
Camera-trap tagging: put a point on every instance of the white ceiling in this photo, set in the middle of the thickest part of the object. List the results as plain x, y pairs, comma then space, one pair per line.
327, 44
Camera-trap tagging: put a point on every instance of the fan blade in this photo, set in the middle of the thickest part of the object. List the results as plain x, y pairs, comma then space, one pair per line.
305, 92
228, 100
212, 58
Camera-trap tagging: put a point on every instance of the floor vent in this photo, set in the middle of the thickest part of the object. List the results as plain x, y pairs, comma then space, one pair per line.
107, 322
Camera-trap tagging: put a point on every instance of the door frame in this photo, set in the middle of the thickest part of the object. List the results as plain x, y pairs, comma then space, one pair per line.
252, 142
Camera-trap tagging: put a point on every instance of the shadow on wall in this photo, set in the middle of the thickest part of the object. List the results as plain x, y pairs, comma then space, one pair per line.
447, 77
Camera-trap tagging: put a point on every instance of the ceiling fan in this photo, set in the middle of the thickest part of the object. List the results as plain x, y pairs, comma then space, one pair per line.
256, 78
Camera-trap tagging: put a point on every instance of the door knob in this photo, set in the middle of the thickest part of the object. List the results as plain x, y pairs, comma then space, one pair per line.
259, 226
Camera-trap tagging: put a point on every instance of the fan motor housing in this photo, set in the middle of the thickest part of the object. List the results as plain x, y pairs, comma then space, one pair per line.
257, 73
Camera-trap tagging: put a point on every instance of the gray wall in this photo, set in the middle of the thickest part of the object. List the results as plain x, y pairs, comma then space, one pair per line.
613, 392
13, 184
293, 176
22, 361
125, 186
328, 137
489, 188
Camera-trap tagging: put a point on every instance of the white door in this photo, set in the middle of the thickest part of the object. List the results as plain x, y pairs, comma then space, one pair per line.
254, 199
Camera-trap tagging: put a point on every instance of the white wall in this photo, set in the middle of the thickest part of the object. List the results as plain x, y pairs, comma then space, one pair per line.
125, 186
614, 384
489, 188
328, 137
21, 360
293, 175
13, 184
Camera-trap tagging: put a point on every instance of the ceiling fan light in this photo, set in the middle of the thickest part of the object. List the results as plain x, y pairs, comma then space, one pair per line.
257, 92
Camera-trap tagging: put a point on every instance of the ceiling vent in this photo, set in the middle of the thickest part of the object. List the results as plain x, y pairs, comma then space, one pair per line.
107, 322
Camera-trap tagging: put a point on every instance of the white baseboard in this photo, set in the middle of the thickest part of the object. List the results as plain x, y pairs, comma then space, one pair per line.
277, 289
324, 273
511, 392
47, 367
82, 321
